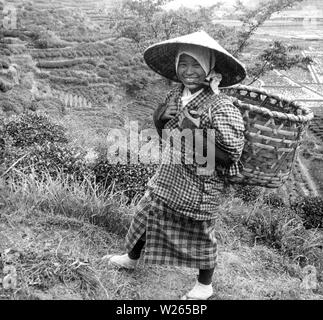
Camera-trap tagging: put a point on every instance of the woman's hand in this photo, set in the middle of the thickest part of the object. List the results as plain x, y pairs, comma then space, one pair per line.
169, 113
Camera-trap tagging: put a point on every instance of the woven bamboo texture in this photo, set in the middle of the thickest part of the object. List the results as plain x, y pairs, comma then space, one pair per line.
274, 130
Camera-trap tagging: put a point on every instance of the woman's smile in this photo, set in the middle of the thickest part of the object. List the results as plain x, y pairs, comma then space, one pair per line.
190, 79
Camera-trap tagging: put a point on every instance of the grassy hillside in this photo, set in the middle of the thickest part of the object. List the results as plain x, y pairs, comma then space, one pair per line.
55, 234
65, 81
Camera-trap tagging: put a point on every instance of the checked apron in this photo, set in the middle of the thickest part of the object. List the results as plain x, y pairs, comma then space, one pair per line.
172, 239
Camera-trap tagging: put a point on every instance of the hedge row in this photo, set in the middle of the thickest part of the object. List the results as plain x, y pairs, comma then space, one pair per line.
71, 80
63, 63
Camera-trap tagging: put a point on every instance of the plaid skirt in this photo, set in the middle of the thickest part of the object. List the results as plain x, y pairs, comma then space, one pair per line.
171, 238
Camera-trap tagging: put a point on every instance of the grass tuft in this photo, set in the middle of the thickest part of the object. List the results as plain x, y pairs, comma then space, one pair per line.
65, 196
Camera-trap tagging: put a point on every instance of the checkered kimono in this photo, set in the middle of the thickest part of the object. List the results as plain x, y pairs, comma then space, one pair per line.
179, 208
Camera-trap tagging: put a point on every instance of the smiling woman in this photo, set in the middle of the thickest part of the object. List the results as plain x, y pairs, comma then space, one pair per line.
175, 220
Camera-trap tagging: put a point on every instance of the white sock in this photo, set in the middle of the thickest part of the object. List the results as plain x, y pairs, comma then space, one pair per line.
200, 291
122, 261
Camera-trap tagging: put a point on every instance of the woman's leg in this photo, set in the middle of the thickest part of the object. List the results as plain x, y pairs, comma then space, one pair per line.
134, 254
135, 238
205, 276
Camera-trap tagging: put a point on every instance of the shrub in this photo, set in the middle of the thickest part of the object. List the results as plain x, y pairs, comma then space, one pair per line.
129, 178
63, 63
102, 65
41, 44
8, 106
5, 86
43, 75
274, 200
4, 63
34, 144
133, 85
33, 128
284, 230
271, 226
65, 80
66, 198
310, 209
92, 62
56, 157
247, 193
104, 74
49, 158
41, 55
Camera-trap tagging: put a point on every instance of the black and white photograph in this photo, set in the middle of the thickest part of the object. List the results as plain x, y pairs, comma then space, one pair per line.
164, 155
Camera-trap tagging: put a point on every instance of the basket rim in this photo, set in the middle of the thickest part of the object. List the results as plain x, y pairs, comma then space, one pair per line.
308, 114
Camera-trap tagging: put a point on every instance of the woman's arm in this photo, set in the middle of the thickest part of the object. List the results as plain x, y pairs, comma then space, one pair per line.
187, 121
226, 141
229, 130
213, 152
159, 123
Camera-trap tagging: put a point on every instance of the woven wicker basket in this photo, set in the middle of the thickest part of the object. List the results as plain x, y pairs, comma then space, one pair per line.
274, 130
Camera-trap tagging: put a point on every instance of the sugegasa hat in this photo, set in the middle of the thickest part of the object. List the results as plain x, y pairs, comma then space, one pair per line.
161, 57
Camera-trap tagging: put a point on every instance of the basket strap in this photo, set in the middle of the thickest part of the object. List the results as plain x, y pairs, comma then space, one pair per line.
207, 105
210, 115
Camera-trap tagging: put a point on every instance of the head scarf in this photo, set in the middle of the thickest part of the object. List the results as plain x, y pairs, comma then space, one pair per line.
206, 59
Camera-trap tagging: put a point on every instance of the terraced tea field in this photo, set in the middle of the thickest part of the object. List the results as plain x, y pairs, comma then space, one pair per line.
81, 64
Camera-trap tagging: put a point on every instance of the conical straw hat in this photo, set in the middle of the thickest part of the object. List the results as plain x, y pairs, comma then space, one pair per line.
161, 57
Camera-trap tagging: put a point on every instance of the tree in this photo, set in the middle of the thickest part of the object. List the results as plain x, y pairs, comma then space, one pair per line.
277, 56
144, 9
254, 18
133, 19
145, 22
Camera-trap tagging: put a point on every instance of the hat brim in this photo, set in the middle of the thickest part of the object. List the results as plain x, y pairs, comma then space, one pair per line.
161, 58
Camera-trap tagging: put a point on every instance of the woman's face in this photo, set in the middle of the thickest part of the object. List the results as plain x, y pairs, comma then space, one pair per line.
190, 73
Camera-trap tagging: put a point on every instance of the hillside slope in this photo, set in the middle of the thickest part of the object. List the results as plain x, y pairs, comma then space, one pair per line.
53, 236
60, 258
67, 64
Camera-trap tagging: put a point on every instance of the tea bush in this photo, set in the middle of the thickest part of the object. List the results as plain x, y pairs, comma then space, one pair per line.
49, 158
285, 231
34, 143
104, 73
66, 81
274, 200
41, 44
310, 209
54, 158
129, 178
247, 193
32, 128
132, 85
5, 85
270, 226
